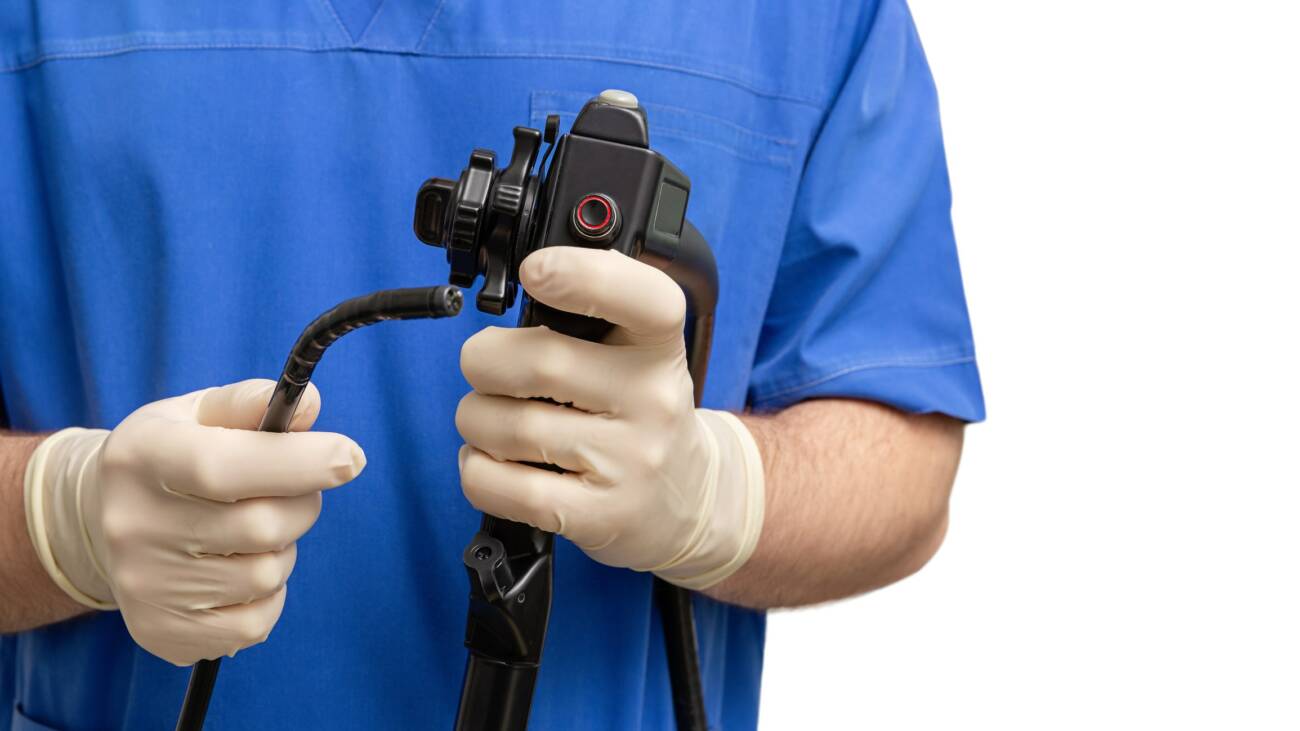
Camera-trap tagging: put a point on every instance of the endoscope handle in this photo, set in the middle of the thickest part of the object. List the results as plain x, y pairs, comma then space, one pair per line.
510, 569
507, 561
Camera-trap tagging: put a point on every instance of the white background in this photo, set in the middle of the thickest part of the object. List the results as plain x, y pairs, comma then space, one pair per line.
1124, 546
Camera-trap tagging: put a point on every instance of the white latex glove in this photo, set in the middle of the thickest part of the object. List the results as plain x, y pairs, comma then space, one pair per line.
184, 516
652, 483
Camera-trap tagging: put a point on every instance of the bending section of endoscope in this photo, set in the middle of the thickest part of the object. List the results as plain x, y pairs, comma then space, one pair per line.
358, 312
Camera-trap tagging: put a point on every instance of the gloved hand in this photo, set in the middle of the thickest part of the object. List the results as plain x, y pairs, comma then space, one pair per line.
652, 483
184, 516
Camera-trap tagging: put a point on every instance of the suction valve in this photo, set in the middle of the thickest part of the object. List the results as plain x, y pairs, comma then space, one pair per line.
595, 217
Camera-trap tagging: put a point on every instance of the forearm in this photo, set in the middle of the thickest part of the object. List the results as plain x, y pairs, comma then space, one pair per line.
30, 597
857, 498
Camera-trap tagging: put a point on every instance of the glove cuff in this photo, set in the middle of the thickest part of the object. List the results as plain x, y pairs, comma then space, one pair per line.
734, 519
52, 488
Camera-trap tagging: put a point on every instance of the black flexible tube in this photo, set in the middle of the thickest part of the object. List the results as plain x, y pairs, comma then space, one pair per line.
358, 312
674, 603
203, 678
680, 644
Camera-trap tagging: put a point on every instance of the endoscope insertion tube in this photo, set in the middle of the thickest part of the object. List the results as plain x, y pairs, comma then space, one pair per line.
390, 304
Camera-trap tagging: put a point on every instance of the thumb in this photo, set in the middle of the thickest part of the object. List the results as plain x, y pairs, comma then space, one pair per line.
241, 405
644, 302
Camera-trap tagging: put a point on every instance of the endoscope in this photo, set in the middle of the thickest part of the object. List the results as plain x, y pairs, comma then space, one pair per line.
604, 188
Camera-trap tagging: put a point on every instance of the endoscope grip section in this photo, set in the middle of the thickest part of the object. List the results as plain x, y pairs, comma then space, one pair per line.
693, 268
577, 326
695, 271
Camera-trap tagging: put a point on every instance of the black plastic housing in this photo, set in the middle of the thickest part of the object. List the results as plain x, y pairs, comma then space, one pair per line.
489, 220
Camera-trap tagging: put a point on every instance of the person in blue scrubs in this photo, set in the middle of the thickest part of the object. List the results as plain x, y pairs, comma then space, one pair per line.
183, 186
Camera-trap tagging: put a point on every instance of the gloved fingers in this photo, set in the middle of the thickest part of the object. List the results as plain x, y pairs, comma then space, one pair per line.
241, 405
552, 501
255, 525
536, 362
185, 637
241, 626
525, 430
210, 582
646, 303
226, 465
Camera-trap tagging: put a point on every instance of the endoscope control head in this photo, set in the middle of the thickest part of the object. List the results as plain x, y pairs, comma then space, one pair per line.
604, 188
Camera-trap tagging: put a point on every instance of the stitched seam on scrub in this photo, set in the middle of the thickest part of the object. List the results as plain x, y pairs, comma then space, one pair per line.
571, 101
86, 50
627, 56
768, 395
338, 22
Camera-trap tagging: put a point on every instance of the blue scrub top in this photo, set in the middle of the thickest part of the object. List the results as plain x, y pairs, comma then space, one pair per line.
183, 186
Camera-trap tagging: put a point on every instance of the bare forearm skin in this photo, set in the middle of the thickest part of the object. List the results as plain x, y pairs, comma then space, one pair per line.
28, 597
857, 498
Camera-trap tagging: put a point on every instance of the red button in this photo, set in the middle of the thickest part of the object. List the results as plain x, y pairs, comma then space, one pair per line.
595, 216
594, 213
